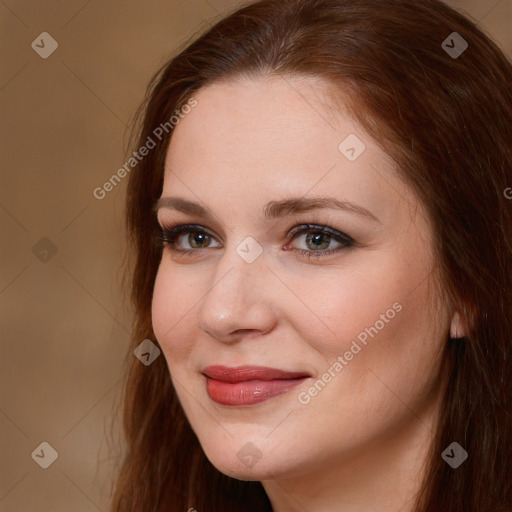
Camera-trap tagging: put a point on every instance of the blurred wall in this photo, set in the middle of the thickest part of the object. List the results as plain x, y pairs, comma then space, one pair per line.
65, 326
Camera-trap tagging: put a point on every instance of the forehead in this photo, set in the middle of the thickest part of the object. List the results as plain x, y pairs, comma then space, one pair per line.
269, 116
269, 138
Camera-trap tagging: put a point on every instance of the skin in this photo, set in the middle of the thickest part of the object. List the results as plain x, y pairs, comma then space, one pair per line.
361, 442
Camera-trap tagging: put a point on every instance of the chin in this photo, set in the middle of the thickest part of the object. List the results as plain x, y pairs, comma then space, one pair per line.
251, 461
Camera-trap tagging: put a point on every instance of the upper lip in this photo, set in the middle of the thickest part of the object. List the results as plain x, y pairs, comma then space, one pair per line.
246, 373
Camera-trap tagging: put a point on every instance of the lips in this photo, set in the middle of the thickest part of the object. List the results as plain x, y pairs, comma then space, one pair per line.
248, 385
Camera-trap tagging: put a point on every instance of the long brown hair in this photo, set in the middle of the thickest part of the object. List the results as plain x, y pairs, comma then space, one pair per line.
446, 120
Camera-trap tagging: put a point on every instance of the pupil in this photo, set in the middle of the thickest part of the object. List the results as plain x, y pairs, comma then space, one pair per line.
198, 239
318, 239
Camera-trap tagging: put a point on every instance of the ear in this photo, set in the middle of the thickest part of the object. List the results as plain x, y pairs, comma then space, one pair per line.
458, 326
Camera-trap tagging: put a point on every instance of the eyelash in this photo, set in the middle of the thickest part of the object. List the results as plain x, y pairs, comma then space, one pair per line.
168, 235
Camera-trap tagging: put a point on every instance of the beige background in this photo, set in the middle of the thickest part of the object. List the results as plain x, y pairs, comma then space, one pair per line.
64, 128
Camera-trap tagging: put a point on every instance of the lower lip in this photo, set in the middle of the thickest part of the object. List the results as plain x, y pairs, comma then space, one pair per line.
248, 392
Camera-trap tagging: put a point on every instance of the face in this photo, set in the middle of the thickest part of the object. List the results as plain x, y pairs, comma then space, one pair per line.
297, 315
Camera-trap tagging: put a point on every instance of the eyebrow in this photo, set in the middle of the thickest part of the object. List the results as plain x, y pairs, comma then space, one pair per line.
273, 209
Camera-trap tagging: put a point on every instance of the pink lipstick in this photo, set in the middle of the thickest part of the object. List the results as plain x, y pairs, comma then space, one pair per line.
248, 385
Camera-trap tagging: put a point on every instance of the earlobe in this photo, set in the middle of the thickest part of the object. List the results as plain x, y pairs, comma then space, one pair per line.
458, 327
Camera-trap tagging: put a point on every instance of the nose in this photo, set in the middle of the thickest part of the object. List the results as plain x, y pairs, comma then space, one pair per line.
239, 300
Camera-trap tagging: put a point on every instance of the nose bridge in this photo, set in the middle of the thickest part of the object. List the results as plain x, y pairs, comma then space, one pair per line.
236, 297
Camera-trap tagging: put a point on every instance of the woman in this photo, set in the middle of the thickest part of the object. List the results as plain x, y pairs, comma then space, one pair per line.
331, 285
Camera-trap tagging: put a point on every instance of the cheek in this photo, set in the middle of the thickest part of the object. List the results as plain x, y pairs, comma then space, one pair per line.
380, 322
374, 297
172, 308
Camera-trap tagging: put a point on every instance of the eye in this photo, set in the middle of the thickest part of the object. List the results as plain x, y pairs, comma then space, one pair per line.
193, 237
319, 241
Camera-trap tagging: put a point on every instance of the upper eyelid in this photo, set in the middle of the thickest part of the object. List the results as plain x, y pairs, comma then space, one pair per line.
316, 227
294, 230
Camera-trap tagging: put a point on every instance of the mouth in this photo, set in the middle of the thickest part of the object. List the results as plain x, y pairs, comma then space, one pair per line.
248, 385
